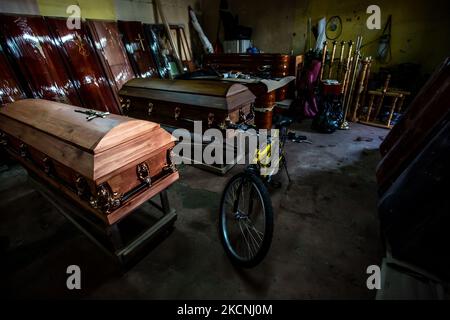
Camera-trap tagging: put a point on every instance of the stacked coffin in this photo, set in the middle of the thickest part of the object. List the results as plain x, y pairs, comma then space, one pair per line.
10, 89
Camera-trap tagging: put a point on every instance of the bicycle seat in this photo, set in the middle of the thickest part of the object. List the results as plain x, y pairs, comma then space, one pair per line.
282, 121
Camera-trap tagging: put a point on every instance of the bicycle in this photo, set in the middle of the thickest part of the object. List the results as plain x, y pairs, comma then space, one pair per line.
246, 212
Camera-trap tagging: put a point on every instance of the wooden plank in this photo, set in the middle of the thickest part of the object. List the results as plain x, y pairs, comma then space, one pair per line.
107, 41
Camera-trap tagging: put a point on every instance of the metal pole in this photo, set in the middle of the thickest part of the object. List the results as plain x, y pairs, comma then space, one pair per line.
352, 84
324, 56
333, 52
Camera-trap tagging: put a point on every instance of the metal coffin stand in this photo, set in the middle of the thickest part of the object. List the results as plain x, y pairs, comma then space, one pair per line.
110, 238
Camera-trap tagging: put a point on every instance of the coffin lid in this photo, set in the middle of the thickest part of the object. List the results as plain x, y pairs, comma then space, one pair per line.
208, 93
61, 121
95, 149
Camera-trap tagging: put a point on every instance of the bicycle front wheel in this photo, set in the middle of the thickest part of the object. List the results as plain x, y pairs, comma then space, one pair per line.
246, 220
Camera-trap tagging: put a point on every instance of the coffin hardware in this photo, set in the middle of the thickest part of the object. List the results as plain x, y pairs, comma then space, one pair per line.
3, 139
105, 200
47, 165
177, 112
242, 117
210, 119
92, 114
170, 164
125, 105
150, 108
251, 115
23, 150
143, 173
81, 186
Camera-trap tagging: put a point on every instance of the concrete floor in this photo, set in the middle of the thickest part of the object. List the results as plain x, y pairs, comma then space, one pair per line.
326, 234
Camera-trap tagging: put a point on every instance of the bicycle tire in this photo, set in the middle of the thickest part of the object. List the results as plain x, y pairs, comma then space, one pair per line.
264, 195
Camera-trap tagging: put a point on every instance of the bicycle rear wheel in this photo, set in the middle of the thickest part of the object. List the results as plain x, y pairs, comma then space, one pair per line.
246, 220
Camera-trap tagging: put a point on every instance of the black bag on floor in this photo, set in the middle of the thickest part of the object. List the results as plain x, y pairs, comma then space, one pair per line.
329, 116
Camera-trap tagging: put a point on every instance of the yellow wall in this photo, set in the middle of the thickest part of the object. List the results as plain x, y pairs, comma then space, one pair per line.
420, 28
90, 9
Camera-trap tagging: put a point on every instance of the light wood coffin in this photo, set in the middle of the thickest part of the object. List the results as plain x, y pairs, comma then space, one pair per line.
108, 165
178, 103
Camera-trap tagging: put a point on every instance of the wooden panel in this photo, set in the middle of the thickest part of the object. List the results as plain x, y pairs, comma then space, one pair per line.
163, 112
138, 49
203, 87
125, 209
81, 57
138, 200
201, 93
69, 155
10, 89
130, 152
411, 134
61, 121
280, 65
39, 60
65, 136
108, 42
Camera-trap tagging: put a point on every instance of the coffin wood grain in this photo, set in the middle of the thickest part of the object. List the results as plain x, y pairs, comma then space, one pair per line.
211, 94
93, 151
36, 54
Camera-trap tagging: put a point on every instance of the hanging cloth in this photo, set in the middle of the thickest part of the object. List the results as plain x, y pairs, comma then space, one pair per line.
384, 54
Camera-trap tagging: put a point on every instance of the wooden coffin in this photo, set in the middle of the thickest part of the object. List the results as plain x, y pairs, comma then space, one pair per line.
178, 103
424, 117
10, 89
160, 49
273, 65
94, 85
37, 56
112, 53
109, 166
138, 49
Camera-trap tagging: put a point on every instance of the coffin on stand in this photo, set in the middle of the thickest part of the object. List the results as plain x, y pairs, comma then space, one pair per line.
108, 166
178, 103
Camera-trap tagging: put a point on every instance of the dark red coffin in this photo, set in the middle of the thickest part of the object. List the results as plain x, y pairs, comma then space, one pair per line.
111, 50
29, 43
94, 85
10, 89
138, 49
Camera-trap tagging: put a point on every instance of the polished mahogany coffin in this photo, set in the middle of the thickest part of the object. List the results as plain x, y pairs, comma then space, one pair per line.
93, 84
36, 54
178, 103
138, 49
113, 55
10, 89
107, 164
